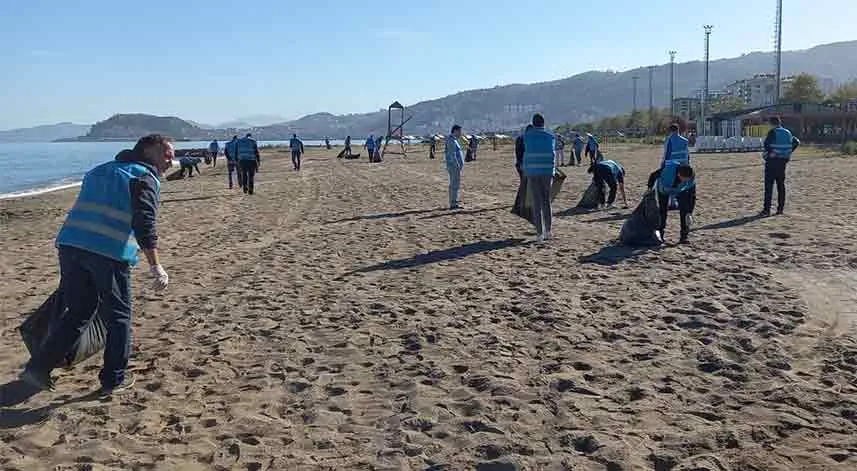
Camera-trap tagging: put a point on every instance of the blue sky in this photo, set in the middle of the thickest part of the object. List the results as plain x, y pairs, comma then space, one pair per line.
212, 61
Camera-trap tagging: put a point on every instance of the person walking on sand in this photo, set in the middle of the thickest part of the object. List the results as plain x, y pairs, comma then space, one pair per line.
230, 150
378, 149
780, 144
560, 151
578, 149
539, 168
213, 150
592, 148
369, 145
248, 162
297, 147
347, 146
115, 215
454, 166
327, 143
432, 148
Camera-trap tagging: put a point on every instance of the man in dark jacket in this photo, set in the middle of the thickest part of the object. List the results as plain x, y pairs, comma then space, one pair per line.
115, 215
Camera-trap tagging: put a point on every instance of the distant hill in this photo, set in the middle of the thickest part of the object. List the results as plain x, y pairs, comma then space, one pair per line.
132, 126
583, 97
253, 121
46, 133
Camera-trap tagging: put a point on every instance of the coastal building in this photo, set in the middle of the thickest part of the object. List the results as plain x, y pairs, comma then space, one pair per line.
811, 122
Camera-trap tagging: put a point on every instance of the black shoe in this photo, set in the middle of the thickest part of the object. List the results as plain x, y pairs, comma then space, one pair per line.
779, 212
765, 213
39, 380
125, 385
683, 240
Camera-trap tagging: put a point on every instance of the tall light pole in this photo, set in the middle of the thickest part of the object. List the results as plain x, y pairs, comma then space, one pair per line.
700, 126
779, 50
672, 84
651, 101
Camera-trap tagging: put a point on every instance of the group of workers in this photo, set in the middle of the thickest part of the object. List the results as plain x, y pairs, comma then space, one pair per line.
538, 153
115, 216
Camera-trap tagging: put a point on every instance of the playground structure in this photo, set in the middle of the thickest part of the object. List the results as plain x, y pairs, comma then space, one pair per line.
396, 133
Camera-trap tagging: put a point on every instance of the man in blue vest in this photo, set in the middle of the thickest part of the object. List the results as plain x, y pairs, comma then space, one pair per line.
213, 150
297, 147
578, 149
539, 168
114, 216
592, 148
676, 179
248, 162
369, 145
676, 147
612, 174
231, 152
779, 146
454, 165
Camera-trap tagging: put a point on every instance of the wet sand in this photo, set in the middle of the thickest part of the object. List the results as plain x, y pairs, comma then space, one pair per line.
341, 319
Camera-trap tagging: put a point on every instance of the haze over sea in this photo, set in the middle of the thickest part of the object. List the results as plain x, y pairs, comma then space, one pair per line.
32, 168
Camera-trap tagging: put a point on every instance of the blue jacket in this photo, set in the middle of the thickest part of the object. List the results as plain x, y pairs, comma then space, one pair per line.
676, 148
370, 142
214, 147
105, 218
539, 152
578, 144
669, 184
615, 167
247, 149
780, 144
592, 144
231, 150
454, 157
296, 145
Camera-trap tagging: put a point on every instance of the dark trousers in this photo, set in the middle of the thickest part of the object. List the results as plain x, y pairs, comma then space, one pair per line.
296, 160
89, 281
231, 167
775, 172
601, 176
686, 205
540, 190
213, 159
247, 170
577, 156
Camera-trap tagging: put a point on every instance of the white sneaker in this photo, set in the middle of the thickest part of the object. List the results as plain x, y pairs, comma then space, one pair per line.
540, 238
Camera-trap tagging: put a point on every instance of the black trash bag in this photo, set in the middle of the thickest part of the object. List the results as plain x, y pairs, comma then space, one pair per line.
37, 328
592, 197
641, 229
524, 201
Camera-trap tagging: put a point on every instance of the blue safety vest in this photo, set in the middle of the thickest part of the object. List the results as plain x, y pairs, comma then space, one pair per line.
539, 152
669, 183
100, 220
679, 149
615, 168
782, 146
578, 144
246, 148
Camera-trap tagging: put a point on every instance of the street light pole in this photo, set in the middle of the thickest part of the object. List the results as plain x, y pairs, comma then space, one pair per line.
700, 127
672, 84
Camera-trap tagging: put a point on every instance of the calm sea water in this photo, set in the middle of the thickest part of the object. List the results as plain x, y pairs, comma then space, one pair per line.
32, 168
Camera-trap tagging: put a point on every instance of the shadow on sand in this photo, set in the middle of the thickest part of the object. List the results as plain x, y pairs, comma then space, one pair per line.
454, 253
17, 392
614, 254
730, 223
465, 212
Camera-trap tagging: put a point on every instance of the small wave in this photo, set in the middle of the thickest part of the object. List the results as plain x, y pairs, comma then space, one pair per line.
40, 191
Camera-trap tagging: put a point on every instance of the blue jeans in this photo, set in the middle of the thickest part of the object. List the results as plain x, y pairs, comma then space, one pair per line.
539, 187
454, 185
88, 282
296, 160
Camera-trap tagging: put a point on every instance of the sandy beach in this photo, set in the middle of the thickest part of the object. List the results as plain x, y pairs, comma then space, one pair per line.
342, 319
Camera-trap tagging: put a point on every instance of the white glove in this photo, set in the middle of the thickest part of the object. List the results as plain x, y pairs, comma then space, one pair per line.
160, 279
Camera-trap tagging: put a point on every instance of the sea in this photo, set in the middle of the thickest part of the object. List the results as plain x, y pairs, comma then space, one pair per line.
32, 168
